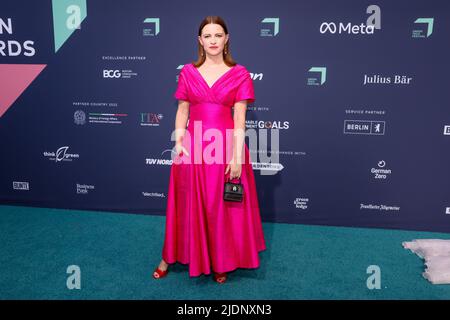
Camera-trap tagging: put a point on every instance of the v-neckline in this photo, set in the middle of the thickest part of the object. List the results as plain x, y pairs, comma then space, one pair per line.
217, 80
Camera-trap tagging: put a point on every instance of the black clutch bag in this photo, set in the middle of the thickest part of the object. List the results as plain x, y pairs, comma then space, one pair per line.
233, 191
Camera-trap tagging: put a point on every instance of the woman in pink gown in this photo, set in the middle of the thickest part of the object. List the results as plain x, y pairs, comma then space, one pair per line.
202, 229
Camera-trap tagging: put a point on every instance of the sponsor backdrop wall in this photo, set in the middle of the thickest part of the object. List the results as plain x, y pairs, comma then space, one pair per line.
358, 92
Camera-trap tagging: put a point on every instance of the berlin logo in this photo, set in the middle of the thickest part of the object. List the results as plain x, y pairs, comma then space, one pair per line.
447, 130
364, 127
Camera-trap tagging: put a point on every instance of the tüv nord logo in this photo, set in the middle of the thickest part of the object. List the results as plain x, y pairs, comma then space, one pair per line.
373, 22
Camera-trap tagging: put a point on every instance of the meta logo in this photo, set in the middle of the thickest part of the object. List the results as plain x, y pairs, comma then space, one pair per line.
111, 74
333, 28
373, 22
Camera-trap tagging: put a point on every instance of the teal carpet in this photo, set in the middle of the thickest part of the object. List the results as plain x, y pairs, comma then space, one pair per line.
118, 252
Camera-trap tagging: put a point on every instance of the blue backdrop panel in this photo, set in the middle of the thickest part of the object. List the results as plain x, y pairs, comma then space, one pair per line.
357, 90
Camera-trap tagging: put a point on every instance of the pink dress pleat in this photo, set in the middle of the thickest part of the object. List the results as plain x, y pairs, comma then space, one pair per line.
203, 230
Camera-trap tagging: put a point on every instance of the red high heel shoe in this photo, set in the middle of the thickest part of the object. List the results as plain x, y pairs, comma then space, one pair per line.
220, 277
160, 273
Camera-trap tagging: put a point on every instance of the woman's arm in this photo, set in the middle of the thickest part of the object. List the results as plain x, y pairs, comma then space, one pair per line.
181, 120
240, 109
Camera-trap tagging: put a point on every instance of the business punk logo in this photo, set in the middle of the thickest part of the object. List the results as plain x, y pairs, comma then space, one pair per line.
84, 188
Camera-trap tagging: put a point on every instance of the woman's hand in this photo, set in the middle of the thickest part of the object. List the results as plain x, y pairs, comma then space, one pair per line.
234, 168
180, 149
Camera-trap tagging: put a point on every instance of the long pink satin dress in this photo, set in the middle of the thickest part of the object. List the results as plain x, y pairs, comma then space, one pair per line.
203, 230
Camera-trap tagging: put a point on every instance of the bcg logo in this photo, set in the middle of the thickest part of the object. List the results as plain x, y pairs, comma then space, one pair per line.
111, 74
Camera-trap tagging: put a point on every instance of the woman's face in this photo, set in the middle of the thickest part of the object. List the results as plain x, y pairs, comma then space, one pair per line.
213, 39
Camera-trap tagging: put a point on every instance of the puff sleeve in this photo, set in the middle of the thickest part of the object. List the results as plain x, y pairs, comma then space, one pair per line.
181, 92
245, 90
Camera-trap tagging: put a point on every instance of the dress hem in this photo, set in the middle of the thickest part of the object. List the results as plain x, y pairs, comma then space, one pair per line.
207, 274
